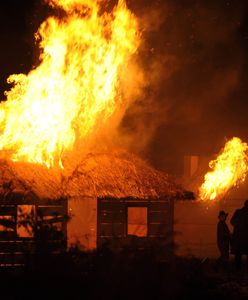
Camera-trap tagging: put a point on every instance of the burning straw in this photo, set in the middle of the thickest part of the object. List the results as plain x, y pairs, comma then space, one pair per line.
228, 170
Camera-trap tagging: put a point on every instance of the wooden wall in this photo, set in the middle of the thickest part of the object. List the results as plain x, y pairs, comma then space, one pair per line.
112, 225
81, 228
25, 223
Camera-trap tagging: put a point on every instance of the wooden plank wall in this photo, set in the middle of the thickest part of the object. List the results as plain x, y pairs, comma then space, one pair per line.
16, 249
112, 220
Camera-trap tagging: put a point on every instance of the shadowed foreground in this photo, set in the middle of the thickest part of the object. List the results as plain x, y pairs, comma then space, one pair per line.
127, 275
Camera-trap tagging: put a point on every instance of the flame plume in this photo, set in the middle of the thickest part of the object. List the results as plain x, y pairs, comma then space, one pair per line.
75, 89
228, 170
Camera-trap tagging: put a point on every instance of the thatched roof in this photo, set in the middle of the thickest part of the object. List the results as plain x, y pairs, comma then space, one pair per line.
119, 174
25, 178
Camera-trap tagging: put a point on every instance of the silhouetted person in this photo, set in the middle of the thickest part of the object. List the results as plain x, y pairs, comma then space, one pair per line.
239, 221
223, 239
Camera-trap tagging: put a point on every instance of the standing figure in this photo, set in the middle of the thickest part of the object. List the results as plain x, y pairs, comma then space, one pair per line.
239, 221
223, 239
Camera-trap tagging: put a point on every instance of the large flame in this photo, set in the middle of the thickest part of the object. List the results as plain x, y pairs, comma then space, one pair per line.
228, 170
75, 87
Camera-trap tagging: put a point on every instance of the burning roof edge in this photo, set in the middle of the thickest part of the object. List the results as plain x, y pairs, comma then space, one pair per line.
28, 178
117, 175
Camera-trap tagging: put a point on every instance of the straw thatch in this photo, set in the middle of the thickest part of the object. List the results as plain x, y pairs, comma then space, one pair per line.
117, 175
25, 178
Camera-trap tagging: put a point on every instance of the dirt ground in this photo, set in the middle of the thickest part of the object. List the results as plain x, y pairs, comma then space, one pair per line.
129, 275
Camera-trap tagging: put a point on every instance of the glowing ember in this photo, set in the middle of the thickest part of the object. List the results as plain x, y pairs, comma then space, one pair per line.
75, 87
228, 170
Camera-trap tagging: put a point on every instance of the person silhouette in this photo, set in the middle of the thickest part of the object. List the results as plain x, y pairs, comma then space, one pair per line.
223, 239
239, 222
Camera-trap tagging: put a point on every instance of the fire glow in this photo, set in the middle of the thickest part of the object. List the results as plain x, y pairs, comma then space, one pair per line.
75, 88
228, 170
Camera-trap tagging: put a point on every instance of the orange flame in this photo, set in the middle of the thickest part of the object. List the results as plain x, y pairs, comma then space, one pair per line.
74, 90
228, 170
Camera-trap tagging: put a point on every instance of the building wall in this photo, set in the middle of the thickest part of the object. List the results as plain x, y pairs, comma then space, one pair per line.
29, 224
126, 221
195, 224
81, 228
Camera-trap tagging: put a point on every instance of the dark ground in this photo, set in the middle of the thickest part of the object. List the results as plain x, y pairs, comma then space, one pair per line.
129, 275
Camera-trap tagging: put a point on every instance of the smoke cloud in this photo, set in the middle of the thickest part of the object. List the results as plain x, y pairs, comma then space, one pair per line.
193, 56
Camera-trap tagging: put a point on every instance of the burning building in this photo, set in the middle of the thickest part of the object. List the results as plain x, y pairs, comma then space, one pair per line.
50, 121
123, 196
109, 199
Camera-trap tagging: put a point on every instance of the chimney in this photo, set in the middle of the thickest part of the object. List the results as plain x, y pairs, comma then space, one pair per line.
191, 163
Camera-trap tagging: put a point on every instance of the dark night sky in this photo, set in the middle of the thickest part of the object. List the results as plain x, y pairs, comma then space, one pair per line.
195, 56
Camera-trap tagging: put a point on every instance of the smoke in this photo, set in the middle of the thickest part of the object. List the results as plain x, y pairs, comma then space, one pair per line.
193, 97
191, 92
